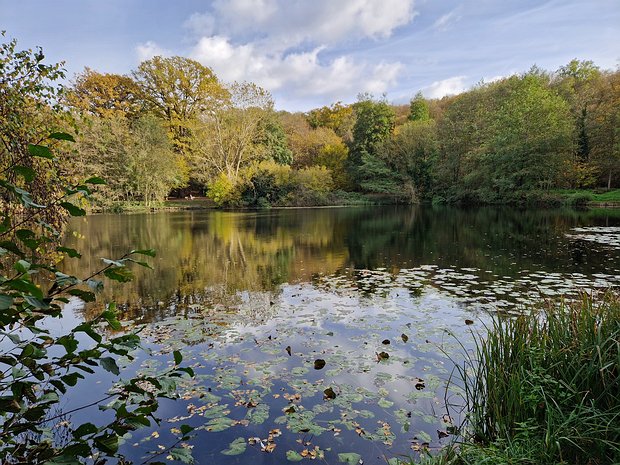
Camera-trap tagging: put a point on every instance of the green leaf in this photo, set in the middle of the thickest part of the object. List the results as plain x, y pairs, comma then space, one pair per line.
5, 302
119, 273
11, 247
293, 456
95, 285
88, 329
107, 443
73, 210
61, 136
178, 358
40, 151
148, 252
424, 436
68, 342
37, 303
182, 454
83, 430
186, 429
24, 171
71, 379
70, 252
236, 447
22, 266
86, 296
109, 364
95, 180
349, 457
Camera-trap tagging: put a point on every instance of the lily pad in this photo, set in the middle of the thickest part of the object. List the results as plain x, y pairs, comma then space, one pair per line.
349, 457
236, 447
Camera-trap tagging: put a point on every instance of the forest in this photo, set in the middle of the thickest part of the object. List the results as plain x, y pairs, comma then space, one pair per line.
171, 128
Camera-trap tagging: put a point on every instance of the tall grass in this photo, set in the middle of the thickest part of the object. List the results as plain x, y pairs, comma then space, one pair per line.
546, 386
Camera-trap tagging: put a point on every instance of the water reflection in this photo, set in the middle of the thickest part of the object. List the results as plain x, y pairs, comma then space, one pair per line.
208, 257
253, 299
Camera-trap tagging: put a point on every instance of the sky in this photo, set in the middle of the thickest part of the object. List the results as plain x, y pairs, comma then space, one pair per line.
310, 53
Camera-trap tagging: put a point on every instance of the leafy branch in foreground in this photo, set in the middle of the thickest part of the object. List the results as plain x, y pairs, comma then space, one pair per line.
38, 365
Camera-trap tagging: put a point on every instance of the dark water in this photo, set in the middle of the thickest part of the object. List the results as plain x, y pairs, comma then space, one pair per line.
236, 292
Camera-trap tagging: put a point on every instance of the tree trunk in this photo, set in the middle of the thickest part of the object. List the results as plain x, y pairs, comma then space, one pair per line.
609, 181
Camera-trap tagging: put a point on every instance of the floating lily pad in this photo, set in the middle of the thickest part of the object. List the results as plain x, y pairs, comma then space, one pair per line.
236, 447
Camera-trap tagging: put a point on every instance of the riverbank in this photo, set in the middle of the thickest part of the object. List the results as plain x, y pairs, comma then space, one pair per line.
543, 388
571, 198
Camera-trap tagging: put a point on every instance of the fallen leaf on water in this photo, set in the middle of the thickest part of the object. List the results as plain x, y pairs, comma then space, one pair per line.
319, 363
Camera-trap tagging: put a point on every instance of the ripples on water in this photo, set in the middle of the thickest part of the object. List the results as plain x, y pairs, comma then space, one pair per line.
255, 299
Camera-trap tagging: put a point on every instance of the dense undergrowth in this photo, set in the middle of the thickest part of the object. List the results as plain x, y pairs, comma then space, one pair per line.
543, 388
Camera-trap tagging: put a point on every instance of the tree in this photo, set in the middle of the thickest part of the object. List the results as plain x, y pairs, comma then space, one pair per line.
604, 129
374, 123
136, 156
28, 115
338, 117
105, 95
38, 366
154, 167
230, 135
502, 140
273, 139
412, 153
178, 90
418, 108
576, 82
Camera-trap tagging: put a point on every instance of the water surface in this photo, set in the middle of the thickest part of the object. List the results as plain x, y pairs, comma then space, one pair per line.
378, 294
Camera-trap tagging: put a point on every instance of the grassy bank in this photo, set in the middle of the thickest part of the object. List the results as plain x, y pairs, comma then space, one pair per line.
544, 388
585, 196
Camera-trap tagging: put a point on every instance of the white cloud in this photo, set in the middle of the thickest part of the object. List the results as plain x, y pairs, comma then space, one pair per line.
447, 20
301, 73
450, 86
287, 46
150, 49
282, 24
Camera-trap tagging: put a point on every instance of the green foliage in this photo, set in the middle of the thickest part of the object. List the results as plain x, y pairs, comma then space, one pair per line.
222, 191
178, 90
374, 123
418, 109
136, 156
39, 366
544, 387
502, 140
273, 138
412, 153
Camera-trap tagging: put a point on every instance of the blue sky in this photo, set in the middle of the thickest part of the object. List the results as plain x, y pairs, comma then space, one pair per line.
310, 53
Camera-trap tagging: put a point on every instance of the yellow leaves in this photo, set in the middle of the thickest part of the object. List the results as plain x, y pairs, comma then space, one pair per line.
266, 445
312, 454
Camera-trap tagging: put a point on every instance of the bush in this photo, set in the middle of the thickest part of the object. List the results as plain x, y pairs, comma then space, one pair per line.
314, 178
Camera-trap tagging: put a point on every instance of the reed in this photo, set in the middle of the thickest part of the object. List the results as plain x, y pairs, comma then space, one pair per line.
545, 386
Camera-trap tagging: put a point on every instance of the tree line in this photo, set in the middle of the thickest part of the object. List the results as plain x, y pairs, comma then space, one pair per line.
171, 127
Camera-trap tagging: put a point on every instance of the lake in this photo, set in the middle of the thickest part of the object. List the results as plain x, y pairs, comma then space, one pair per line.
328, 333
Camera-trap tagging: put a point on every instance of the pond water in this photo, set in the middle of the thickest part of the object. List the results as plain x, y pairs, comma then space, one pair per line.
328, 334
